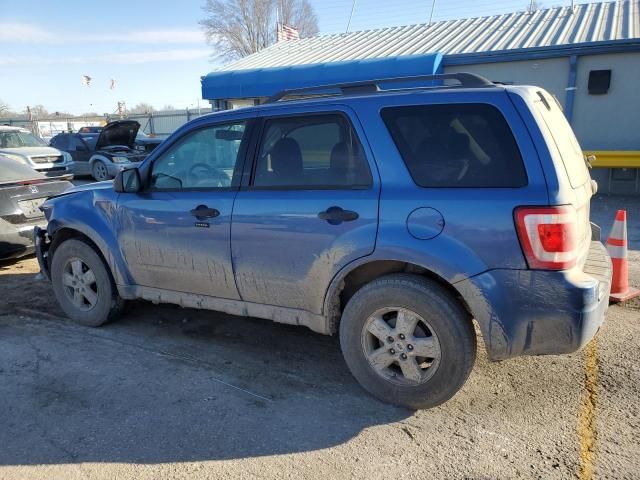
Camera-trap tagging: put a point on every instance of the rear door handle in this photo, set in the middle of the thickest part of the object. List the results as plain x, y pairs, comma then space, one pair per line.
336, 215
202, 211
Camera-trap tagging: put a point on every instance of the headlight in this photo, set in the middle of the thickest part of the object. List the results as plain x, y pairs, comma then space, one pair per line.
66, 157
120, 160
15, 158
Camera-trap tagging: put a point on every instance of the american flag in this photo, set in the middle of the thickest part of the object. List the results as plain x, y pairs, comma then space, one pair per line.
285, 32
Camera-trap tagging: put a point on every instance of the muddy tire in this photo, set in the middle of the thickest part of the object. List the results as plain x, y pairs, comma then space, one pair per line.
83, 285
408, 341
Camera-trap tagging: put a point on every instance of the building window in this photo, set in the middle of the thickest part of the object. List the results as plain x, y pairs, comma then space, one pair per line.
599, 82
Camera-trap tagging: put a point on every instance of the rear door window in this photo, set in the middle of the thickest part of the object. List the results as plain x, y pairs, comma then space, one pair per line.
456, 145
59, 141
75, 144
311, 152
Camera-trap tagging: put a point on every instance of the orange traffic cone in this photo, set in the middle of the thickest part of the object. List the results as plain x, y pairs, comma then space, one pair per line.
617, 248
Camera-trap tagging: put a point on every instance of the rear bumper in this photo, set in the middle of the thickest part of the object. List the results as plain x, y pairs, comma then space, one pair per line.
15, 240
537, 312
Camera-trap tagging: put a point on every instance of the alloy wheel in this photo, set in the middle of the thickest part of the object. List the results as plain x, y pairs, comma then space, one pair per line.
80, 285
100, 171
401, 346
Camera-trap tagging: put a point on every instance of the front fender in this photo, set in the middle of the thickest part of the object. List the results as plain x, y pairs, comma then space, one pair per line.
91, 213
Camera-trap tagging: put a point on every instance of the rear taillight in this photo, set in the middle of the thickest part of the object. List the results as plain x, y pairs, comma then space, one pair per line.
548, 236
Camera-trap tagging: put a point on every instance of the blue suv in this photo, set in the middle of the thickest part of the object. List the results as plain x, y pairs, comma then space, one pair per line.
395, 217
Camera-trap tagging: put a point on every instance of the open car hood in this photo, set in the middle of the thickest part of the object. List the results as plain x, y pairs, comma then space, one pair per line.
120, 132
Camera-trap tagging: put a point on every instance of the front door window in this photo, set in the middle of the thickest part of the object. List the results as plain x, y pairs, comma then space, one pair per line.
204, 159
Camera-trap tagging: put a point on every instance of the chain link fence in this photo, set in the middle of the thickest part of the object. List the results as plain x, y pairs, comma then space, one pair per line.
159, 123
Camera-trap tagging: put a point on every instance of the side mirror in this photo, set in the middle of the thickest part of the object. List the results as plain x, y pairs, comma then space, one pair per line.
127, 181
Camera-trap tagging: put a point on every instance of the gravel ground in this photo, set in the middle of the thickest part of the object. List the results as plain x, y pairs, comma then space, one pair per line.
175, 393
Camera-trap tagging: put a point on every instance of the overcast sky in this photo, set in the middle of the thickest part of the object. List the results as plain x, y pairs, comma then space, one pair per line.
154, 50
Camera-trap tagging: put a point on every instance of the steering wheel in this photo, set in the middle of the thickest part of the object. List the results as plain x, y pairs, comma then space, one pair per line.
207, 175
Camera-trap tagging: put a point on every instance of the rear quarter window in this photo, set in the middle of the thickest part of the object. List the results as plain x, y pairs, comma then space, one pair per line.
456, 145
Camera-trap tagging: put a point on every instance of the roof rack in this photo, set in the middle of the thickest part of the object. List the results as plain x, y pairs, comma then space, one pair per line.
467, 80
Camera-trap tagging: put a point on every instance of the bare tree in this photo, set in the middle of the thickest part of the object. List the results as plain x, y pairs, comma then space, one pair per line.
4, 108
300, 15
38, 111
142, 108
237, 28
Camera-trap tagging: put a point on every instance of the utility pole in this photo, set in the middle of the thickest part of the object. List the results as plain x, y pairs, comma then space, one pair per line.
433, 7
353, 7
122, 110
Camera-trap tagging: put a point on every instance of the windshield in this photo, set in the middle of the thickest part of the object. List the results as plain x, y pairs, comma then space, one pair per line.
18, 139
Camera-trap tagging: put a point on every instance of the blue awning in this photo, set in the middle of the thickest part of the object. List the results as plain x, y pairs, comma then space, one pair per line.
264, 82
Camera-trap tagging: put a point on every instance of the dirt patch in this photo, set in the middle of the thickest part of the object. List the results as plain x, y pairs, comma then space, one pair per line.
20, 289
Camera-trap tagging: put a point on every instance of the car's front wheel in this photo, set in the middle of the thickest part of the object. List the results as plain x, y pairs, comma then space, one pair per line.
408, 341
99, 171
82, 284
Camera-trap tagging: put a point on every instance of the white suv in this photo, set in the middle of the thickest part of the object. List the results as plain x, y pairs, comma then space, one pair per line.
21, 145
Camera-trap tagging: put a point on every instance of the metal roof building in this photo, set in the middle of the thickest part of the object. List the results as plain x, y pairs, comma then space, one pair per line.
547, 32
588, 56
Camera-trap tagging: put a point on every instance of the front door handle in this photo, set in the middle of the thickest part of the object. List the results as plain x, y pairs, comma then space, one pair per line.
202, 211
336, 215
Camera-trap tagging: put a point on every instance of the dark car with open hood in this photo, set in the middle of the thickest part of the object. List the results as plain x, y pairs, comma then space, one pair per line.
22, 191
102, 155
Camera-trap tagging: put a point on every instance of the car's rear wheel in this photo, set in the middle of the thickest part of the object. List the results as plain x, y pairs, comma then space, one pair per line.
408, 341
83, 285
99, 171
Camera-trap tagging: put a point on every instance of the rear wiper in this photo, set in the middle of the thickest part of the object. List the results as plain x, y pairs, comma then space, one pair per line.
589, 159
